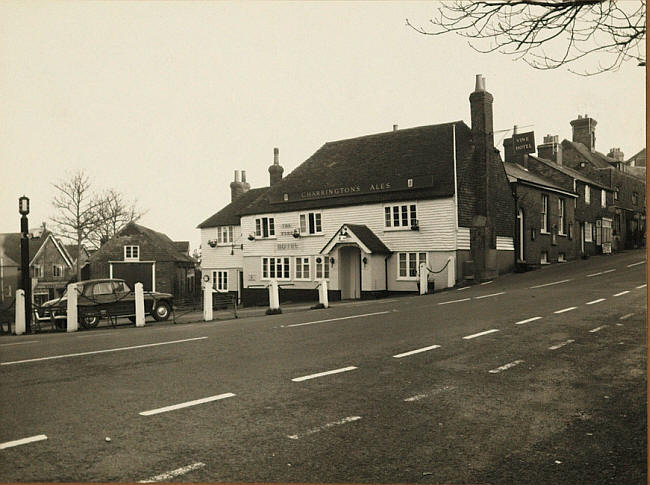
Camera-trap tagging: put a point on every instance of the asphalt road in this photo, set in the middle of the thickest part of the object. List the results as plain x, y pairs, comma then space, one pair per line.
533, 378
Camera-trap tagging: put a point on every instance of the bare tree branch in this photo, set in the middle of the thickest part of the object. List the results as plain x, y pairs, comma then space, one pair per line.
548, 34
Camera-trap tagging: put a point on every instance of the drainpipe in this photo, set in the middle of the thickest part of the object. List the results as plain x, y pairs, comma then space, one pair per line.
386, 271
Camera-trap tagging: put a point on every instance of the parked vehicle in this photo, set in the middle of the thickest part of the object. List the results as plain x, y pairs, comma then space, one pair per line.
104, 298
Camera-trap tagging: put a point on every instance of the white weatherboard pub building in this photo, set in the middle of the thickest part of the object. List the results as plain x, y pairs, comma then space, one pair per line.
365, 212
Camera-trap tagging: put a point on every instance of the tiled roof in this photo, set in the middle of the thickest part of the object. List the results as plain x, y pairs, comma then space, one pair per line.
156, 246
426, 151
571, 172
597, 159
182, 246
516, 172
10, 245
229, 215
369, 238
637, 157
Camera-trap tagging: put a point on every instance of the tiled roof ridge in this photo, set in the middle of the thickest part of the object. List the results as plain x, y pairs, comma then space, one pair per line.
400, 130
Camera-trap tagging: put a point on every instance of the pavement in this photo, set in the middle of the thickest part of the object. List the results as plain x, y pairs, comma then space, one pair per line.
538, 377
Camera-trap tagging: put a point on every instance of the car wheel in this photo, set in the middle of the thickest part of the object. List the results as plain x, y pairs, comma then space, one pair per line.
161, 311
88, 321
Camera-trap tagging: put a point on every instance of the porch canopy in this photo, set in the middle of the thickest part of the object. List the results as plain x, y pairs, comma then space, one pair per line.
358, 234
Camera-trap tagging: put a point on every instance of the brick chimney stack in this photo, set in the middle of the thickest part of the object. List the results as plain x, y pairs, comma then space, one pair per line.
275, 170
584, 131
616, 154
551, 149
237, 188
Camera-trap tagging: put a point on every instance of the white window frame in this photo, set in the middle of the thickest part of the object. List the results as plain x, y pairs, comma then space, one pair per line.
220, 280
58, 267
310, 222
272, 275
603, 198
587, 195
270, 227
322, 268
302, 263
589, 232
544, 214
407, 260
129, 253
225, 235
38, 271
400, 217
561, 207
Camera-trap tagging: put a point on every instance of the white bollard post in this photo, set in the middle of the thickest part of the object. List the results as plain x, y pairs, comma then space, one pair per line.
208, 316
72, 312
19, 306
274, 297
322, 294
451, 272
423, 279
139, 305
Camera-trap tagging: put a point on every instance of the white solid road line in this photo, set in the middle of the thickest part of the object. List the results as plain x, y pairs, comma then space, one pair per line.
335, 319
622, 293
349, 419
532, 319
609, 271
320, 374
505, 367
549, 284
594, 274
20, 343
101, 351
625, 317
560, 345
566, 309
635, 264
165, 477
593, 302
417, 351
186, 404
24, 441
453, 301
597, 329
463, 288
641, 286
467, 337
488, 296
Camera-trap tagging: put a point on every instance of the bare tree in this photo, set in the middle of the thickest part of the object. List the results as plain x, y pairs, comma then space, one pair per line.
113, 212
76, 216
548, 34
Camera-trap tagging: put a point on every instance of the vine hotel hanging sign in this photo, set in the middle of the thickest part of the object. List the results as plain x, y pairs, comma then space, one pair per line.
375, 186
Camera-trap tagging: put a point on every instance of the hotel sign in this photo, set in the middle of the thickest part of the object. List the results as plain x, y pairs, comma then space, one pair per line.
346, 190
524, 142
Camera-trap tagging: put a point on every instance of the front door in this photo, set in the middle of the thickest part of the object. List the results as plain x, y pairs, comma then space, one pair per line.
350, 272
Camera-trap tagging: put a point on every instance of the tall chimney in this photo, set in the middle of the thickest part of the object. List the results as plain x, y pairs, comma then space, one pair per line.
236, 187
551, 149
245, 184
584, 131
482, 136
275, 170
394, 127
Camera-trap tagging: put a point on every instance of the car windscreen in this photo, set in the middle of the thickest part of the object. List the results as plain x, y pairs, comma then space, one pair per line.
103, 288
121, 287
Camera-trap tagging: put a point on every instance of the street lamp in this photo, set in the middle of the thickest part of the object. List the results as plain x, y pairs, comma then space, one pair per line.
23, 209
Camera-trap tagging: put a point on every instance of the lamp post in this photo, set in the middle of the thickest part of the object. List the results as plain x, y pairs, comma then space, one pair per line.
26, 280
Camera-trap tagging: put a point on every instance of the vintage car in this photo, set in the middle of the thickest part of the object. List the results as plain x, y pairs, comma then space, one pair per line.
104, 298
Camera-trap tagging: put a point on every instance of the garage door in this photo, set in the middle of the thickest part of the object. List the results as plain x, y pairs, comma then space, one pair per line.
134, 273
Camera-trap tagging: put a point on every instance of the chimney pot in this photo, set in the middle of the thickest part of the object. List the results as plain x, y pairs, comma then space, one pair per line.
394, 127
237, 179
514, 129
243, 176
276, 156
480, 83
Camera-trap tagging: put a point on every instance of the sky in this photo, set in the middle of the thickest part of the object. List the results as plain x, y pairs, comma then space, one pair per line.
162, 101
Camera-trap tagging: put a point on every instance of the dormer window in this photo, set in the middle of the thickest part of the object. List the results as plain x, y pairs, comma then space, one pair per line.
131, 253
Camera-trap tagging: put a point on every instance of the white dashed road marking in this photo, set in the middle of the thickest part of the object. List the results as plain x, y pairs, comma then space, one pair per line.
635, 264
453, 301
335, 319
622, 293
165, 477
593, 302
24, 441
532, 319
19, 343
566, 309
417, 397
560, 345
505, 367
321, 374
487, 282
488, 296
416, 351
349, 419
467, 337
597, 329
463, 288
609, 271
101, 351
549, 284
625, 317
641, 286
594, 274
186, 404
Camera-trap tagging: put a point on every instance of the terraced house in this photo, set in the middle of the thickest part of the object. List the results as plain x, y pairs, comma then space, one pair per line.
365, 212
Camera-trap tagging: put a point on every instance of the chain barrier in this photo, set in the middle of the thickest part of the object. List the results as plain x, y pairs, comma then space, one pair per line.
441, 269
